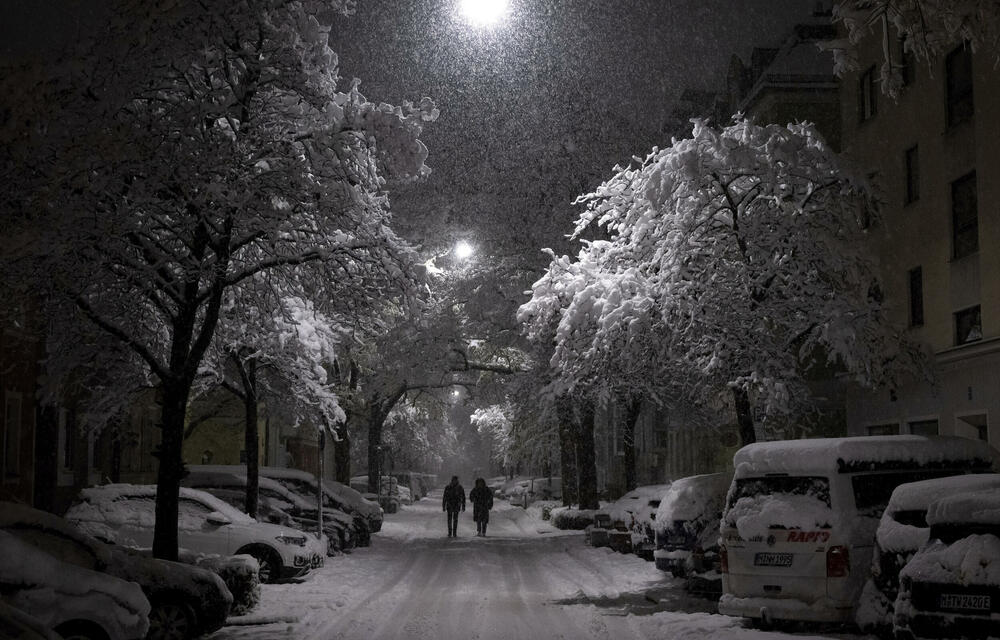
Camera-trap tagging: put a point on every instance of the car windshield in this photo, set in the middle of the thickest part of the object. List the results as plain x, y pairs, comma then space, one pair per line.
813, 486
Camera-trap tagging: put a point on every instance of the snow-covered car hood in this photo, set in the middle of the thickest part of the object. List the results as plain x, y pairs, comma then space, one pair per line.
54, 591
206, 586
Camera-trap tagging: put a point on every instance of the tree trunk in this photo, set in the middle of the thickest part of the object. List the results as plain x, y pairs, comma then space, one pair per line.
375, 420
744, 416
586, 458
342, 454
629, 406
248, 372
171, 469
567, 451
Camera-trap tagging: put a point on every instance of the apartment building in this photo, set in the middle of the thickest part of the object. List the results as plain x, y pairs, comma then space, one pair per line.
934, 154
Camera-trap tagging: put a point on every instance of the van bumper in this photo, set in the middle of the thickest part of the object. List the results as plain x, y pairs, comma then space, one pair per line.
821, 610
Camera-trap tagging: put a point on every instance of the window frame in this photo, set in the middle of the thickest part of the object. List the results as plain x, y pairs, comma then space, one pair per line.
915, 285
911, 175
965, 231
960, 103
975, 311
867, 95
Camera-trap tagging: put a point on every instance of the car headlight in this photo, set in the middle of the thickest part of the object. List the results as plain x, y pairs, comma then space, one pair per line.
299, 541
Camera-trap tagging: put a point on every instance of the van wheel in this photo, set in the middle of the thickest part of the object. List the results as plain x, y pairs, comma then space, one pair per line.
170, 619
270, 563
81, 630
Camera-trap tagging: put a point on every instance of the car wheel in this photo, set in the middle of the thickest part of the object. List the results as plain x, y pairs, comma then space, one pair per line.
80, 630
269, 561
170, 620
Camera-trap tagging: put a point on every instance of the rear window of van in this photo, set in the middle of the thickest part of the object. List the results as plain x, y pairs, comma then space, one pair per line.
813, 486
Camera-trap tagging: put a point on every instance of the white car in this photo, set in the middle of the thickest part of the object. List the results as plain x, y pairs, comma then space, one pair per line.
74, 602
126, 514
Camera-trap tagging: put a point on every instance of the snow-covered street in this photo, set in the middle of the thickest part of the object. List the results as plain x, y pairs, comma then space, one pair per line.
525, 580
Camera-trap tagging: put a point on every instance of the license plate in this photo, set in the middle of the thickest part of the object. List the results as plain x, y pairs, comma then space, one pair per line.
772, 559
964, 601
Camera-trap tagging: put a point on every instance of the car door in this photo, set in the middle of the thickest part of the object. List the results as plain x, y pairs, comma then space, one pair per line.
196, 532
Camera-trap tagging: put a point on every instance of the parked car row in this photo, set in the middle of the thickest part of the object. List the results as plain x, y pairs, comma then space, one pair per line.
898, 535
90, 574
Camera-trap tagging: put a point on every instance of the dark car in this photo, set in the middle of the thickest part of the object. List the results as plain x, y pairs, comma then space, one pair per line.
951, 587
901, 532
687, 530
185, 601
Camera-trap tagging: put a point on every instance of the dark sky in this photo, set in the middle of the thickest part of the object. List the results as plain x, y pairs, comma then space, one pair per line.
547, 102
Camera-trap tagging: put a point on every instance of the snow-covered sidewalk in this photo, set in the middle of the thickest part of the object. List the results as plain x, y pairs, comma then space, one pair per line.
525, 580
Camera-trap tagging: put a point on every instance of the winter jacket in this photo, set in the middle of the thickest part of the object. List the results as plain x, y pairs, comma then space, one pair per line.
454, 498
482, 501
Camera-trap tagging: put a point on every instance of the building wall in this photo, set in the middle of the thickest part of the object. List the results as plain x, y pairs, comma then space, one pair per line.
918, 234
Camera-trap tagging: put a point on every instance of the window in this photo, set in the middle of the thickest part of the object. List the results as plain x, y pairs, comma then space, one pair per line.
964, 216
916, 278
968, 325
912, 170
973, 426
958, 76
924, 427
867, 95
891, 429
12, 435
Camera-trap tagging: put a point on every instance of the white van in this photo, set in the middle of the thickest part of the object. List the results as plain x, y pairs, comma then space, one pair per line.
798, 529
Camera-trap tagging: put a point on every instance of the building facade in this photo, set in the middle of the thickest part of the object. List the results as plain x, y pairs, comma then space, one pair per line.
933, 153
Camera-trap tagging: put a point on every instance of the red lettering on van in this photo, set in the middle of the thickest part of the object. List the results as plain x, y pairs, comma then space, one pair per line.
808, 536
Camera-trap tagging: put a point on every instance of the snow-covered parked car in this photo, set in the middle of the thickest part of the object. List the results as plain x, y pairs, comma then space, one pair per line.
626, 525
951, 587
902, 531
276, 504
687, 530
126, 514
367, 515
186, 601
74, 602
388, 494
799, 525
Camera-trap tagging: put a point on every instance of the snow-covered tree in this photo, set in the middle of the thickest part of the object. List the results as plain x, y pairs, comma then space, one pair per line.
183, 150
928, 29
738, 262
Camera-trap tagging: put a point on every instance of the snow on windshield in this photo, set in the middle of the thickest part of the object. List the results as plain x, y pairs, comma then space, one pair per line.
693, 497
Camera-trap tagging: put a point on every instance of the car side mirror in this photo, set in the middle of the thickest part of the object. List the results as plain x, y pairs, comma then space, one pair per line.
218, 519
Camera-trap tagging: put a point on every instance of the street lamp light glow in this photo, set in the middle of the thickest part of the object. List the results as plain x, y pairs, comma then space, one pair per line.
463, 250
483, 13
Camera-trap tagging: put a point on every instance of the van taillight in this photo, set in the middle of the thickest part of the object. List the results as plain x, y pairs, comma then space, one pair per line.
838, 562
723, 559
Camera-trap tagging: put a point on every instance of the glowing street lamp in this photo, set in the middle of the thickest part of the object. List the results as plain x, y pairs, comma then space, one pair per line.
483, 13
463, 250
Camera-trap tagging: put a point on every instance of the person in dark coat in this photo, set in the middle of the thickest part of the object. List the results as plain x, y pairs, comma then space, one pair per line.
453, 502
482, 501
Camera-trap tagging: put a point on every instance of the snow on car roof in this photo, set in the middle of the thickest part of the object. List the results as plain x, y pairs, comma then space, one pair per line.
24, 564
634, 500
340, 491
859, 453
687, 498
112, 497
971, 507
201, 477
918, 495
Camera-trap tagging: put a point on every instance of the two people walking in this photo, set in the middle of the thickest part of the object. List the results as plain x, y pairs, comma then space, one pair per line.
454, 501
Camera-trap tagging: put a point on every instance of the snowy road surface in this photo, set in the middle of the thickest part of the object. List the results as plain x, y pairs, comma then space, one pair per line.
524, 581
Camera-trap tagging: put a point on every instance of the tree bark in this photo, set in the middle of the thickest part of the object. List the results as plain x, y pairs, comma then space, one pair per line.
171, 469
375, 421
629, 406
248, 372
342, 454
567, 451
744, 416
586, 458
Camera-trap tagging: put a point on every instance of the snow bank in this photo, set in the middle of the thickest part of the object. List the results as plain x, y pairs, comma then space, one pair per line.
570, 518
836, 455
753, 516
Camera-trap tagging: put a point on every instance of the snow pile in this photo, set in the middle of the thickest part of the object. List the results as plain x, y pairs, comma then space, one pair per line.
974, 559
570, 518
898, 537
838, 454
240, 573
753, 516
